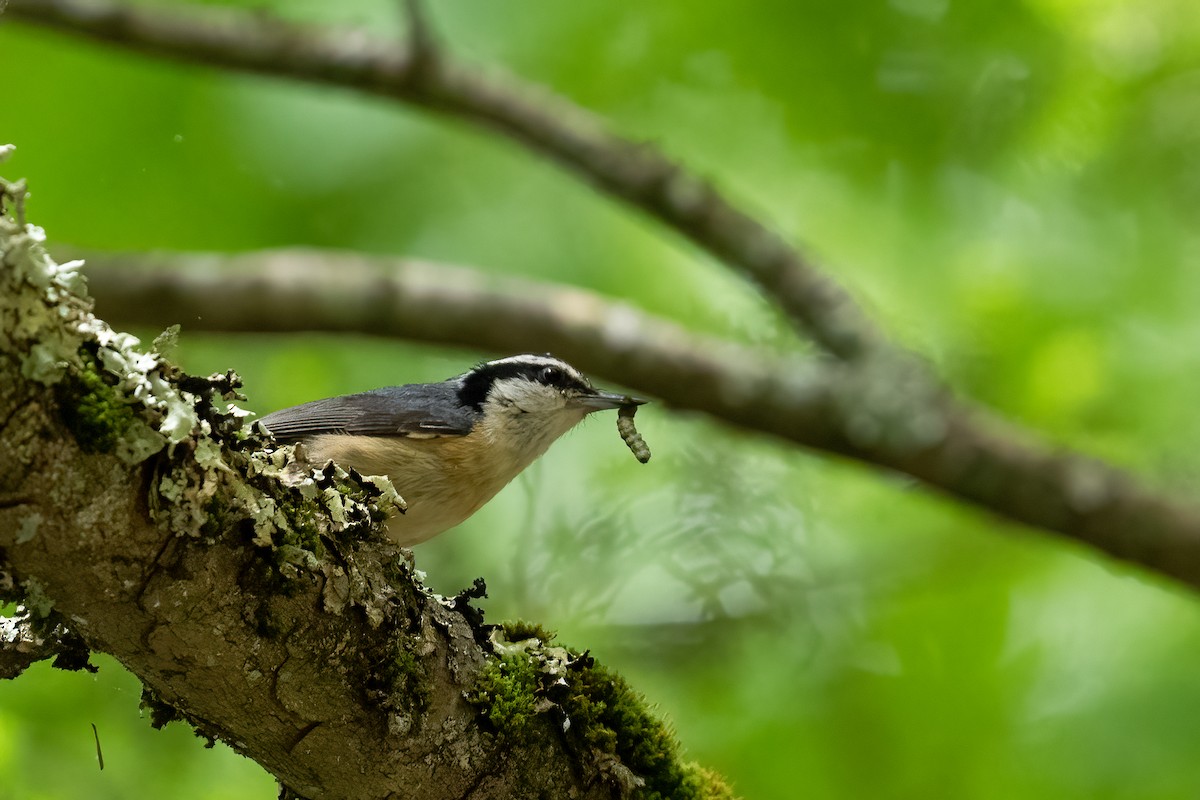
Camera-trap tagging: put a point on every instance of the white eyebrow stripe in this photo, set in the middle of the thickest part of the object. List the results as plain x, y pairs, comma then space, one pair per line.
541, 361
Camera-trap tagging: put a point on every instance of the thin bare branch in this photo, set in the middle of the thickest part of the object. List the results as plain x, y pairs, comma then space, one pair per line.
635, 172
281, 291
880, 411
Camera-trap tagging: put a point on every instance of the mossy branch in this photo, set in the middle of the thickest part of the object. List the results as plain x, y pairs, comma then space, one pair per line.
139, 518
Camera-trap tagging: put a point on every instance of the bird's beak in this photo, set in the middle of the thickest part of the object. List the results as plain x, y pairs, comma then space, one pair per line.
601, 401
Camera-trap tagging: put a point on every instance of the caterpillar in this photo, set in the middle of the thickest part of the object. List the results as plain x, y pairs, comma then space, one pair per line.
629, 433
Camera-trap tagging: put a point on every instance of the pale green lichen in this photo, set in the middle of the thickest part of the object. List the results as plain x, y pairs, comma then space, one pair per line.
44, 364
29, 527
389, 499
35, 599
276, 520
143, 378
291, 559
334, 501
45, 316
95, 412
166, 342
38, 304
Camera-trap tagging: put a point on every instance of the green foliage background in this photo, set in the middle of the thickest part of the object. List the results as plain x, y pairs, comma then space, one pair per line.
1010, 187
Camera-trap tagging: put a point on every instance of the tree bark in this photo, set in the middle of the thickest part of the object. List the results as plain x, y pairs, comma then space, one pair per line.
136, 511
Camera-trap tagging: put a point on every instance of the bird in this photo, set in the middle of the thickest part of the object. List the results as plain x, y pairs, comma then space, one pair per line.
447, 447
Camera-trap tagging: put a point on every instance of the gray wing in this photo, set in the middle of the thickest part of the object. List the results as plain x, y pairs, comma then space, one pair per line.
423, 410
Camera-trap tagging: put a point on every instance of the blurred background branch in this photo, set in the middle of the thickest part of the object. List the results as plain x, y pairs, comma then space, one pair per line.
549, 125
879, 410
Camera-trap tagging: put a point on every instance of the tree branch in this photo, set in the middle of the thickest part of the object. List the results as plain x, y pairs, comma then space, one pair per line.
546, 124
271, 614
282, 291
881, 410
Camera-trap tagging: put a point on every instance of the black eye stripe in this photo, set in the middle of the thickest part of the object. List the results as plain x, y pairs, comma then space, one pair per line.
478, 383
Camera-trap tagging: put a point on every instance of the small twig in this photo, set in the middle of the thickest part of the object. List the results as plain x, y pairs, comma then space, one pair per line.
99, 752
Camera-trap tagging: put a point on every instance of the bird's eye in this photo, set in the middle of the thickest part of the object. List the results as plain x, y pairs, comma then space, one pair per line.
550, 375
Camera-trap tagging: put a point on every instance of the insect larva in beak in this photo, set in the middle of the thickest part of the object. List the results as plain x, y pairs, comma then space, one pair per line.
630, 434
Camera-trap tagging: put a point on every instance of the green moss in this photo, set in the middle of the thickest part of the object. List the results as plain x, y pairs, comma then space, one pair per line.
302, 532
609, 716
216, 516
505, 694
604, 715
91, 408
297, 544
405, 679
521, 630
701, 782
406, 669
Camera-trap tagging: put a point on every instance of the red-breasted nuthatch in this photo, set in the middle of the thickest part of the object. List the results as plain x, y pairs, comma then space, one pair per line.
447, 447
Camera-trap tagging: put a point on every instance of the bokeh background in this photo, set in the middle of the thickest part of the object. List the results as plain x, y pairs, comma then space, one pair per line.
1011, 187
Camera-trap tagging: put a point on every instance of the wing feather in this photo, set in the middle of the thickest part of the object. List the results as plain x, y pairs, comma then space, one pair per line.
423, 410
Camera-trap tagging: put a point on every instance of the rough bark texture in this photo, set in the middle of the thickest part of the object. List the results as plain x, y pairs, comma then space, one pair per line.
257, 663
135, 509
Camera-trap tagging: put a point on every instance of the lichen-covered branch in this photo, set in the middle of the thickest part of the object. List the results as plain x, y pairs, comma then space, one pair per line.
882, 410
137, 513
427, 76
